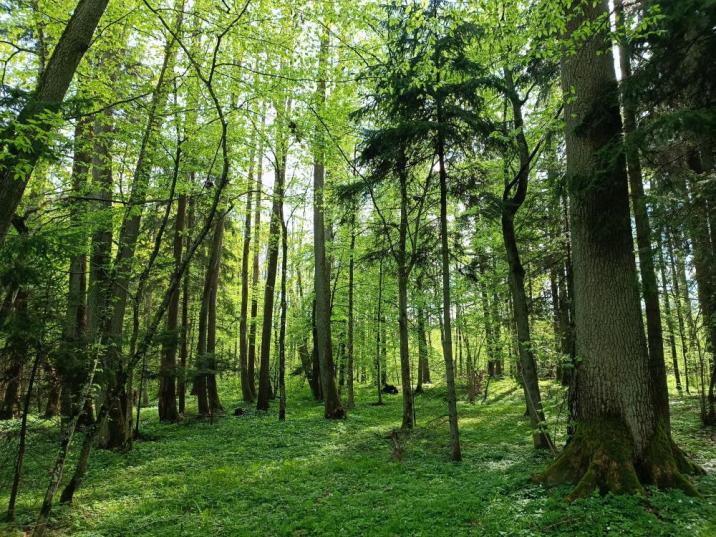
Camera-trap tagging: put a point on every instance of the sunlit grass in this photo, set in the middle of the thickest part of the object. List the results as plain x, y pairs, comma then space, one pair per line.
253, 475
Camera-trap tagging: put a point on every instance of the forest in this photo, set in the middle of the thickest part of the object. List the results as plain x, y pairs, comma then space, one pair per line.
357, 267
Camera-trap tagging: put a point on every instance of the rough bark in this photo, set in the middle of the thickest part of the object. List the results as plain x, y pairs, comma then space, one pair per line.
647, 270
621, 440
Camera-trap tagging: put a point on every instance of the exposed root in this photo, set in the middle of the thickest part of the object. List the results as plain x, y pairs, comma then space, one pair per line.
337, 413
601, 457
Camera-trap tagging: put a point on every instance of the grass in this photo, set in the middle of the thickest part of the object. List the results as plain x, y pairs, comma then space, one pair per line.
252, 475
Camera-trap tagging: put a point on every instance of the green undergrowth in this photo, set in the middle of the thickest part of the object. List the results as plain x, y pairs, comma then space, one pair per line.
252, 475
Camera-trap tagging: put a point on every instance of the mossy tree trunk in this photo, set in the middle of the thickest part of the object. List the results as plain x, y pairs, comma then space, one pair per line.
621, 440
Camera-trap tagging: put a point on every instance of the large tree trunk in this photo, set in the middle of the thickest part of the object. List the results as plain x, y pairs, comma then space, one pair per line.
167, 373
20, 159
621, 440
185, 321
649, 285
204, 379
282, 329
215, 406
378, 343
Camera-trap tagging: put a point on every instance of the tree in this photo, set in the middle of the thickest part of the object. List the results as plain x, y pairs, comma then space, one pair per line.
25, 139
622, 439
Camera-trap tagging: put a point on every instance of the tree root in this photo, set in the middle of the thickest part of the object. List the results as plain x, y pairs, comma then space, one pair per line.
601, 457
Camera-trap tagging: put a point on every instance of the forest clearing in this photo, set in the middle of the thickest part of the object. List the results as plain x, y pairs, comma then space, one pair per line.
358, 267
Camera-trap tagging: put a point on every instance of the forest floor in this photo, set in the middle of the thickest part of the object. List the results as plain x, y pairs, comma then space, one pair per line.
252, 475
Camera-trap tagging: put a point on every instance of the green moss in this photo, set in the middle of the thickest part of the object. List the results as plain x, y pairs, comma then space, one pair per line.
601, 457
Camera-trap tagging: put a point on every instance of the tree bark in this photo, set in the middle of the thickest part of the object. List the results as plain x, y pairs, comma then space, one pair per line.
621, 440
647, 271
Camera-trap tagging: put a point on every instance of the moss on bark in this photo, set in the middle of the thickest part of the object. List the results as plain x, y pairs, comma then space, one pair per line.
601, 457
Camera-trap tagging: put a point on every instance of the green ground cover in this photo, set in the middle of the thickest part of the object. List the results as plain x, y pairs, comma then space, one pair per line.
252, 475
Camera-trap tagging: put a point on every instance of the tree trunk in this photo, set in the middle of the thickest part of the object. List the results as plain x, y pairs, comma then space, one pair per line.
167, 373
510, 205
423, 367
262, 402
378, 344
246, 389
649, 285
350, 403
204, 388
621, 439
250, 367
456, 454
282, 329
71, 364
20, 159
215, 406
186, 295
331, 400
669, 317
403, 328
